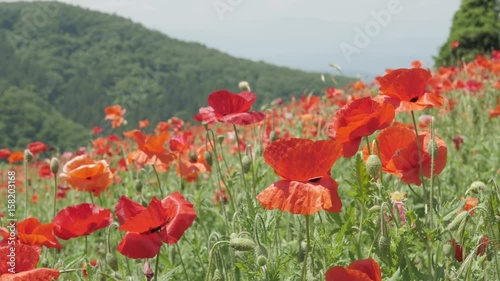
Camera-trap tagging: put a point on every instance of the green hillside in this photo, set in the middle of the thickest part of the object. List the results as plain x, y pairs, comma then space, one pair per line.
79, 61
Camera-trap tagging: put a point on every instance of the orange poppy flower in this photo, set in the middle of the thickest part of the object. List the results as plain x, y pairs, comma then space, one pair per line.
85, 174
17, 156
360, 270
399, 154
151, 149
304, 166
115, 114
494, 112
34, 274
406, 89
31, 232
144, 123
162, 126
358, 119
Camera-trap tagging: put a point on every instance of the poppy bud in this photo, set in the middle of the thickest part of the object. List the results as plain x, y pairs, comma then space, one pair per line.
384, 245
246, 164
261, 255
146, 270
192, 157
373, 165
374, 209
457, 220
244, 86
208, 158
242, 244
112, 261
432, 147
138, 185
28, 156
220, 138
272, 136
258, 150
477, 186
233, 235
54, 165
217, 276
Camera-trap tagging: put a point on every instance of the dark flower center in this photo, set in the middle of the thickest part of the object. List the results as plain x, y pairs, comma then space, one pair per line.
414, 99
316, 179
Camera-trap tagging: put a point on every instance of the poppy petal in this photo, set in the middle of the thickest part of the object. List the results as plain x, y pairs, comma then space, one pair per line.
338, 273
32, 275
26, 257
368, 266
302, 159
126, 209
80, 220
244, 118
182, 215
140, 246
304, 198
224, 102
151, 218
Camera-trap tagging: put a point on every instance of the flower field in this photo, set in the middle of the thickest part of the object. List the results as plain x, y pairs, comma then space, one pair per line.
392, 180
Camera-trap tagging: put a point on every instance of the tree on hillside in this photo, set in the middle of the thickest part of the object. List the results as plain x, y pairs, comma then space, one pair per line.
475, 30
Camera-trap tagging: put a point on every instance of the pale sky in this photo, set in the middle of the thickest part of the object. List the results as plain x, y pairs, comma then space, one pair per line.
362, 37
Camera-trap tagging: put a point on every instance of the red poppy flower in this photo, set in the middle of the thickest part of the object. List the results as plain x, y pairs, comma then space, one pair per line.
399, 154
37, 147
181, 142
227, 107
44, 171
358, 119
80, 220
4, 153
360, 270
17, 156
304, 166
115, 114
34, 274
162, 126
455, 44
26, 257
30, 231
151, 149
406, 89
85, 174
458, 141
96, 130
162, 221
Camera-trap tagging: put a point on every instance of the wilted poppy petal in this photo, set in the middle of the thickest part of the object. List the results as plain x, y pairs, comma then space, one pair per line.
181, 216
151, 218
304, 198
79, 220
39, 274
302, 159
140, 246
126, 209
25, 257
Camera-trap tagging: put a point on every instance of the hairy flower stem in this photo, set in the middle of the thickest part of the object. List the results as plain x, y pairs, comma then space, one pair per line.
428, 211
157, 263
368, 146
159, 182
308, 248
55, 195
249, 197
210, 258
26, 179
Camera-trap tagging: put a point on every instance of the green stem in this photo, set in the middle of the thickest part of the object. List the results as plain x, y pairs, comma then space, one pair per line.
182, 262
308, 248
157, 263
360, 232
368, 146
428, 212
210, 258
26, 179
159, 182
55, 195
86, 243
249, 198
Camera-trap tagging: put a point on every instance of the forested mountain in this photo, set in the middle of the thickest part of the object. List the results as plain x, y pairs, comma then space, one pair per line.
69, 63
